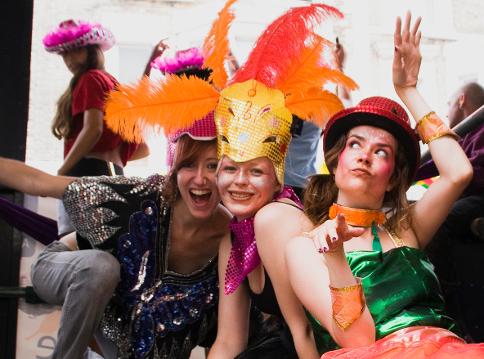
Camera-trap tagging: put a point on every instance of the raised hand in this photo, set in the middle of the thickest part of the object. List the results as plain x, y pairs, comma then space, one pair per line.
329, 236
159, 49
339, 55
407, 58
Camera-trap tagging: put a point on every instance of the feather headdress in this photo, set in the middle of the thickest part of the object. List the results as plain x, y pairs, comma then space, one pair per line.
178, 101
216, 46
254, 112
283, 75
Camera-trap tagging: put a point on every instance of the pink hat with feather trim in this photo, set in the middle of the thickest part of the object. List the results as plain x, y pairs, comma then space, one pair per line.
74, 34
187, 62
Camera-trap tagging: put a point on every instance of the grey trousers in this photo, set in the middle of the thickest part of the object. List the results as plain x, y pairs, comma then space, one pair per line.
83, 283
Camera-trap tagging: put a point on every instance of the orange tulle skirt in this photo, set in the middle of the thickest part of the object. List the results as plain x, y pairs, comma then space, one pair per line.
415, 343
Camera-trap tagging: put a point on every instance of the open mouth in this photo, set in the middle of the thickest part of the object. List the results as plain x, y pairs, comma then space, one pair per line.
200, 196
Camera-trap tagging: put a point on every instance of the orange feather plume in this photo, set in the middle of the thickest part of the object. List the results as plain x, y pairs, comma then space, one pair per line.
216, 46
315, 105
175, 103
307, 70
281, 42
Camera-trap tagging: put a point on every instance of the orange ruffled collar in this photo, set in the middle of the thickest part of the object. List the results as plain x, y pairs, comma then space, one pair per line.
357, 216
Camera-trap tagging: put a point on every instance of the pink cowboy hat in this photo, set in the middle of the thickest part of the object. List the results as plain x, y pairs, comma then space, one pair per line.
73, 34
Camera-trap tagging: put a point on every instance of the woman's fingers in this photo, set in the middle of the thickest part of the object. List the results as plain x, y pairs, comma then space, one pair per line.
416, 26
406, 27
418, 38
397, 35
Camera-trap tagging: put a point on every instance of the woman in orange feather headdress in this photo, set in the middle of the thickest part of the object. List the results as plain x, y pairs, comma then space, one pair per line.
283, 75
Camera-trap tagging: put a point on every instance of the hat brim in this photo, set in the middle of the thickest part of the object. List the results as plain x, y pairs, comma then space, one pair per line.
345, 120
99, 36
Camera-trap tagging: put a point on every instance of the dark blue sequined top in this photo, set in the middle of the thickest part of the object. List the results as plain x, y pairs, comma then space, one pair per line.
155, 312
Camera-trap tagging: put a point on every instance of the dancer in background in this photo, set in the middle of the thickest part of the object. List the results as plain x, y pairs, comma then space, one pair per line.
90, 148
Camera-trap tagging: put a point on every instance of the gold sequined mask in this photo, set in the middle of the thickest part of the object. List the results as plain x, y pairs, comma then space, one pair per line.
253, 122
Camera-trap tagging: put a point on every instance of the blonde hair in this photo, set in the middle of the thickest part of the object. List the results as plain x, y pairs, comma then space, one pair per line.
61, 124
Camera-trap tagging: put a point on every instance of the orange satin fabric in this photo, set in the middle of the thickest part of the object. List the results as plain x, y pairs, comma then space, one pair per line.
413, 343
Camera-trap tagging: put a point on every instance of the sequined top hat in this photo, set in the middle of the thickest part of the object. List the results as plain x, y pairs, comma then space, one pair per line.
379, 112
73, 34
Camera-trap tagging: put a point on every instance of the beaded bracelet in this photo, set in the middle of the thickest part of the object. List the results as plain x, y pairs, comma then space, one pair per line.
348, 304
431, 127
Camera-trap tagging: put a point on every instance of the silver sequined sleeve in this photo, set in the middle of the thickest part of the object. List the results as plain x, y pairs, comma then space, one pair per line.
86, 197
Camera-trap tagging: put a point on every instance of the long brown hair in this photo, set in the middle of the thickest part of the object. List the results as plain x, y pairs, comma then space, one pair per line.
186, 152
322, 192
61, 124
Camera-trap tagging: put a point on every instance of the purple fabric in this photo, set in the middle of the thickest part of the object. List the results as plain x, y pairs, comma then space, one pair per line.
41, 228
244, 257
473, 145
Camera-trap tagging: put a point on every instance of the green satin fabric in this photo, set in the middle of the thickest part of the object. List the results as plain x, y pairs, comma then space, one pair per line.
401, 290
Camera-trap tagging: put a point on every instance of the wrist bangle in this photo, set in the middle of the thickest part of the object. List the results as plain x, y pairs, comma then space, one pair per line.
348, 303
431, 127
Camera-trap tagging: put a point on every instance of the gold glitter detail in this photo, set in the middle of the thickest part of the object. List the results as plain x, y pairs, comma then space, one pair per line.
253, 122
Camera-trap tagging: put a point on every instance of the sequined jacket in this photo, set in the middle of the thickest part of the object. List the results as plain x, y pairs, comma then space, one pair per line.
155, 312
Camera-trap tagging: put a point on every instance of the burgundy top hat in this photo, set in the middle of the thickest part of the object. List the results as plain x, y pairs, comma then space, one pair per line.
380, 112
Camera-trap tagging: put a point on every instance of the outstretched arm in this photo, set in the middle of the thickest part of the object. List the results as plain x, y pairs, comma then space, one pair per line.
454, 168
317, 261
20, 177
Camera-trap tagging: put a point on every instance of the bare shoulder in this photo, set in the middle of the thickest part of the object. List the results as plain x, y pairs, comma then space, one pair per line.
278, 216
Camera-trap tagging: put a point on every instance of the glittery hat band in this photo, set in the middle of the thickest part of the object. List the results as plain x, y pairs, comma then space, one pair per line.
72, 34
244, 257
253, 122
201, 130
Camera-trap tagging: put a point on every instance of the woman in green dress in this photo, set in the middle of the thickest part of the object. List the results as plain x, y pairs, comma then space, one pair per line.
369, 279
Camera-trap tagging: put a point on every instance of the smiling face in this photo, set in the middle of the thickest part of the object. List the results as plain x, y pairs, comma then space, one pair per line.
196, 183
75, 59
246, 187
365, 167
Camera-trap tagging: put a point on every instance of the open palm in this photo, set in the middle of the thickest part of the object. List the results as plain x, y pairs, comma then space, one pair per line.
407, 58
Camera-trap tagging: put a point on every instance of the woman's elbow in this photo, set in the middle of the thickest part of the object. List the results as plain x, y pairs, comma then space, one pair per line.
463, 176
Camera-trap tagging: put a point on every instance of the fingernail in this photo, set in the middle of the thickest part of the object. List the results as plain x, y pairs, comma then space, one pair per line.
333, 239
396, 49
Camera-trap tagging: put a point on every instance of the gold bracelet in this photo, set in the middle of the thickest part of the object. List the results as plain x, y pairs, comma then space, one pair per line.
348, 304
431, 127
